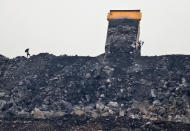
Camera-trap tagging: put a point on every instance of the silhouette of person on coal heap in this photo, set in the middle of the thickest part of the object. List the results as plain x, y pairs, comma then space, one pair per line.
27, 52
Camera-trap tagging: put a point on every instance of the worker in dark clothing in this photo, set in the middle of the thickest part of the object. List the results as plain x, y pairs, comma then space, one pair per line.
27, 52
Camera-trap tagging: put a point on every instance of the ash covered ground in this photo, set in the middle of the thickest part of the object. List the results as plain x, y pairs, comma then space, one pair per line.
118, 90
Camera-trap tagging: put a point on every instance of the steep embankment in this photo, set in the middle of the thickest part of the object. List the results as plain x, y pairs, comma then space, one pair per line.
48, 86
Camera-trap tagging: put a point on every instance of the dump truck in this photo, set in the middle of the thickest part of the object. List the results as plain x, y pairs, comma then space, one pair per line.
129, 22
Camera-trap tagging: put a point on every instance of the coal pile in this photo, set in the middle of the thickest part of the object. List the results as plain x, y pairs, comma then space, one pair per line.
116, 87
83, 123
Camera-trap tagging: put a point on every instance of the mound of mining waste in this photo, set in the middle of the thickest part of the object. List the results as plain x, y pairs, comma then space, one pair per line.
115, 91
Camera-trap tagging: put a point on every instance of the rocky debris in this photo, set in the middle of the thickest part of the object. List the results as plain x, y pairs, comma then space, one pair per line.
156, 103
113, 104
37, 113
46, 85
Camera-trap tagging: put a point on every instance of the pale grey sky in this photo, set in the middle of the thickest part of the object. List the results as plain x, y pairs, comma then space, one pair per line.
80, 26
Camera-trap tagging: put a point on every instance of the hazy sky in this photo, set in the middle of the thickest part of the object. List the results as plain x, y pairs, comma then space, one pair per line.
80, 26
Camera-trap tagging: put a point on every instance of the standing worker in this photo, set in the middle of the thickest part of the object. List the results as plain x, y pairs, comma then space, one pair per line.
27, 52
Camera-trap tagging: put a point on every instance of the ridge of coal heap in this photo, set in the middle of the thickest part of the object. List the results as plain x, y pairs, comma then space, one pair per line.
119, 84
